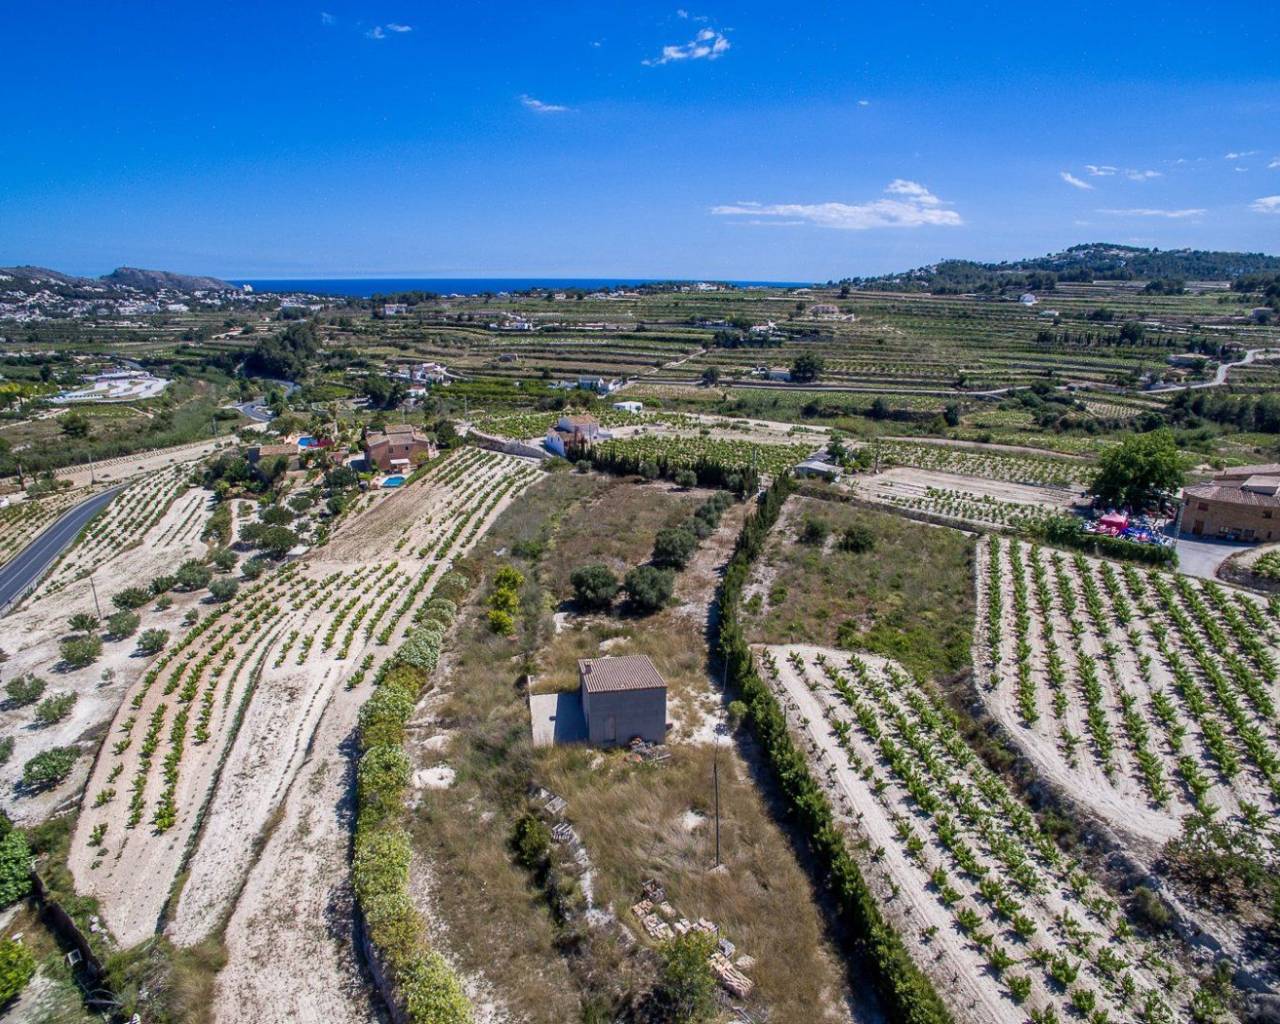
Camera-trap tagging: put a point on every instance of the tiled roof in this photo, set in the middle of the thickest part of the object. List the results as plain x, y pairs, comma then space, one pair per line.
629, 672
1232, 496
399, 432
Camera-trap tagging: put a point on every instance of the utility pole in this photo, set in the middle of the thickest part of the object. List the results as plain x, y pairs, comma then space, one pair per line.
715, 773
96, 607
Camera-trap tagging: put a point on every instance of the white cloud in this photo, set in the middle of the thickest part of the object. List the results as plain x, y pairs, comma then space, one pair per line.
682, 13
1148, 212
1073, 181
380, 31
708, 44
1267, 204
539, 107
1241, 155
1134, 175
327, 19
867, 103
1100, 171
916, 207
1274, 165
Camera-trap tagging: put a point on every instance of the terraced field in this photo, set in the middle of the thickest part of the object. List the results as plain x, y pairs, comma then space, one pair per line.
1145, 695
1005, 923
205, 745
130, 516
21, 521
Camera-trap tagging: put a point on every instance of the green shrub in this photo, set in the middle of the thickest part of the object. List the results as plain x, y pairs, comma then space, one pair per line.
223, 558
508, 578
504, 599
381, 861
153, 641
253, 568
24, 689
6, 750
686, 478
83, 622
649, 589
858, 539
123, 624
674, 547
53, 710
131, 598
1151, 909
163, 584
15, 867
383, 716
502, 622
382, 777
594, 586
531, 842
223, 589
49, 767
815, 531
17, 965
421, 649
452, 585
192, 575
431, 991
79, 651
686, 983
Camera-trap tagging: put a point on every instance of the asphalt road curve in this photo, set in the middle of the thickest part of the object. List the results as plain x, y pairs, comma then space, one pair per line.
26, 568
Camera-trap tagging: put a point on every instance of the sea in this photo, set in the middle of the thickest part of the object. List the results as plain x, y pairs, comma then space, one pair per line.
364, 287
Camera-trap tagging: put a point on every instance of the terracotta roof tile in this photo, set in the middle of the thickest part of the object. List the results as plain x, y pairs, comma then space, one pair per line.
629, 672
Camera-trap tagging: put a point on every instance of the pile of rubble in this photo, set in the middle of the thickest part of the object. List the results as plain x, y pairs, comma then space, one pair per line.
659, 919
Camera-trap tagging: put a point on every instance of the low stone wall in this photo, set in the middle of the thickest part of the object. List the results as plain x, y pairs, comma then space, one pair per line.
508, 446
847, 498
1237, 575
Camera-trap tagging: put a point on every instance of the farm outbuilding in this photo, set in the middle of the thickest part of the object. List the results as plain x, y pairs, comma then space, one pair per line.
622, 699
818, 466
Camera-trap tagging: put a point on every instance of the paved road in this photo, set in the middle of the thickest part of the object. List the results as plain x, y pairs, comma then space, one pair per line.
1201, 556
31, 562
1219, 378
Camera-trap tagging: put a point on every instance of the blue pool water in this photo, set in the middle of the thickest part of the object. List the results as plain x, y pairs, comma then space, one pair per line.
393, 481
306, 442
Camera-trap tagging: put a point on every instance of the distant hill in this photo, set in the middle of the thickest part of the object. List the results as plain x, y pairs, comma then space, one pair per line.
154, 280
124, 280
1094, 261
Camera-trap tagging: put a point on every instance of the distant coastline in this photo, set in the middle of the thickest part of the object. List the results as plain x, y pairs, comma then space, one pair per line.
363, 288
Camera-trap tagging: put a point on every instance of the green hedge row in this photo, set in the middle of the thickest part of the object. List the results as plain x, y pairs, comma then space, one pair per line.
907, 993
1069, 532
427, 987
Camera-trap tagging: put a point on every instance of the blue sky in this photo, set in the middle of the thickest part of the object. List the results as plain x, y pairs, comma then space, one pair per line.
735, 140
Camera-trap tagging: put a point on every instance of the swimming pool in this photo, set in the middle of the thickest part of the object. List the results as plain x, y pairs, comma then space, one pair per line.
392, 481
307, 442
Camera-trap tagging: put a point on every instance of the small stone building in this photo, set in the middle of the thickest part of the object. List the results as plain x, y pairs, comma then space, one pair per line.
260, 454
623, 698
572, 434
1242, 503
